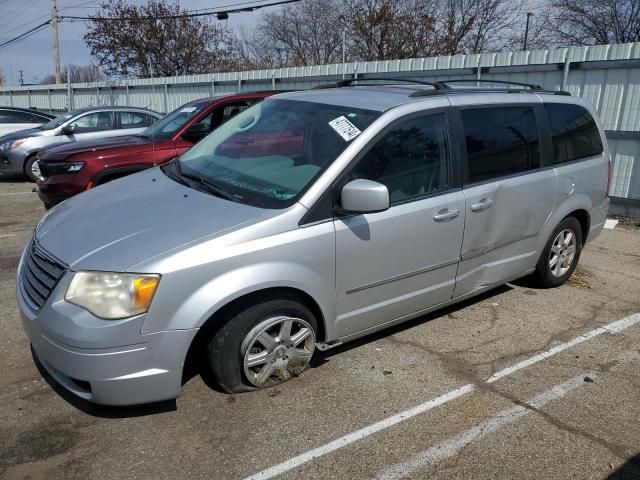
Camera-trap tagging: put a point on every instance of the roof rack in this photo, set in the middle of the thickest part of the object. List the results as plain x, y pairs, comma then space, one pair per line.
502, 82
443, 87
347, 82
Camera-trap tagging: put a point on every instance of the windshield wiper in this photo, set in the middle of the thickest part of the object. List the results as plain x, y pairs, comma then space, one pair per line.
209, 185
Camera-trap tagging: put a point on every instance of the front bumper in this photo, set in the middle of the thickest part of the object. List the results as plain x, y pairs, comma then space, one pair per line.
12, 161
55, 189
106, 362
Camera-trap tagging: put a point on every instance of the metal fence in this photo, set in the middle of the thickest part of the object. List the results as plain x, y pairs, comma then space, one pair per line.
606, 75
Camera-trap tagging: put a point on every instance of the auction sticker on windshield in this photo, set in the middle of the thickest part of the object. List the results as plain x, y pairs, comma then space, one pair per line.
347, 130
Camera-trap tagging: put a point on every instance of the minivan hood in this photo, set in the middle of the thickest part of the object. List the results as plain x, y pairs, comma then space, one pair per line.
125, 222
130, 144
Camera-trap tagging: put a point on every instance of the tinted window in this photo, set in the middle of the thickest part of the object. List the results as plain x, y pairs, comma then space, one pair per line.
574, 133
500, 141
94, 122
411, 159
135, 119
12, 116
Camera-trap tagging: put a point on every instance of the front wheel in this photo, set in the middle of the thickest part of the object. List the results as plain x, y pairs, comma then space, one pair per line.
32, 168
561, 254
262, 346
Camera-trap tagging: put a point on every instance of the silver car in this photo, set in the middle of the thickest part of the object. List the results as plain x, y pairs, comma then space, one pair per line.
308, 220
13, 119
18, 150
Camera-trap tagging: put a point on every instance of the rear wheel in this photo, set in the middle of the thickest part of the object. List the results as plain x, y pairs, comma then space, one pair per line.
262, 346
561, 254
32, 168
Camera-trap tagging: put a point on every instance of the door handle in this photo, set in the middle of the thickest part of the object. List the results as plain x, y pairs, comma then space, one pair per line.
481, 205
446, 214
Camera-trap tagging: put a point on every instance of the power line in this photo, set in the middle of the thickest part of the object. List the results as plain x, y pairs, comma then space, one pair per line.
240, 7
37, 19
217, 11
26, 34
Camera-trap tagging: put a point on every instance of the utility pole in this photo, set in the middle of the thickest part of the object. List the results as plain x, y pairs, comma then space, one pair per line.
21, 79
526, 31
56, 43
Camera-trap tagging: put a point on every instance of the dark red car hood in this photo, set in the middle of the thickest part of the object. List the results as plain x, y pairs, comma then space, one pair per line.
131, 144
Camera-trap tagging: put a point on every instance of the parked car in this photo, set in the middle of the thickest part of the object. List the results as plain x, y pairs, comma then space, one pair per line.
308, 220
70, 169
13, 119
18, 150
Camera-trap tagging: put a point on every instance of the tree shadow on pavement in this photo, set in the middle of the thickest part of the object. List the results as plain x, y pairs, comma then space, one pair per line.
322, 357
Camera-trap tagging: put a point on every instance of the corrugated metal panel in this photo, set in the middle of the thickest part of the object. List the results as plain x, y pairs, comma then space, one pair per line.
608, 77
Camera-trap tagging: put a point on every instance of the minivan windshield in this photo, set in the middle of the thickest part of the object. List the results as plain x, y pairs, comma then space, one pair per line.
268, 155
167, 127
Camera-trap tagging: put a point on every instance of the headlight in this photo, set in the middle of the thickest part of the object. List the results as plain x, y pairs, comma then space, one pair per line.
112, 296
16, 143
74, 167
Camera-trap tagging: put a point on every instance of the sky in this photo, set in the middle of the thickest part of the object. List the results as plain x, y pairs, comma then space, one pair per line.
34, 55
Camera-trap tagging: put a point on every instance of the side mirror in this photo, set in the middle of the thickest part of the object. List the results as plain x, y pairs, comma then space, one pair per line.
364, 196
68, 130
196, 132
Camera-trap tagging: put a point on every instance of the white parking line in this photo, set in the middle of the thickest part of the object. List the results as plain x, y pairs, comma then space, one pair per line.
16, 193
610, 223
453, 445
294, 462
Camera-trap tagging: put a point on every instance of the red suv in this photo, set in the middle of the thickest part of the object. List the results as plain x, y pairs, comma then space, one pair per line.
70, 169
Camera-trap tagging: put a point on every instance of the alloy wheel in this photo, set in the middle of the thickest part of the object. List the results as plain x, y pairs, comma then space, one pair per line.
277, 349
563, 251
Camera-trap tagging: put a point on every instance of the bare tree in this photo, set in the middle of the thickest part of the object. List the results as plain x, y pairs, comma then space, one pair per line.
310, 32
594, 22
257, 49
385, 29
3, 80
79, 73
304, 33
156, 39
476, 26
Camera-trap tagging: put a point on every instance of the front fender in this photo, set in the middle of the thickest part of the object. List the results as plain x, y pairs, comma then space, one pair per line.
210, 297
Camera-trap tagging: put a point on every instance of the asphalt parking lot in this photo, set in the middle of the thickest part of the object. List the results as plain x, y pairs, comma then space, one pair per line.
518, 383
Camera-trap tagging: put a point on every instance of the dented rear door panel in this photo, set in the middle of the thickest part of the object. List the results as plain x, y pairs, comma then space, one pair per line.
500, 237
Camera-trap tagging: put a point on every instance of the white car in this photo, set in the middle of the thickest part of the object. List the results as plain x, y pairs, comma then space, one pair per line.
13, 119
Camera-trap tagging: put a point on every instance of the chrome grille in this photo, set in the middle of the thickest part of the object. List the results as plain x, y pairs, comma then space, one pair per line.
40, 274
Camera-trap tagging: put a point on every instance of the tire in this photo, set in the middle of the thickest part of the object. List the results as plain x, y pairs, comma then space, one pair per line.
549, 274
29, 169
236, 341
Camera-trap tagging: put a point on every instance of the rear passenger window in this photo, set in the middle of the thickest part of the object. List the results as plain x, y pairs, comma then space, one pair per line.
573, 132
411, 159
135, 120
500, 141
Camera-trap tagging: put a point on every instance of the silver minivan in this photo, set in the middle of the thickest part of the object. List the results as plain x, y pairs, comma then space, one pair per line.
19, 150
308, 220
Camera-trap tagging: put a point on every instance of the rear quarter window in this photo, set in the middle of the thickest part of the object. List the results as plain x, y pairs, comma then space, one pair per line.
574, 133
